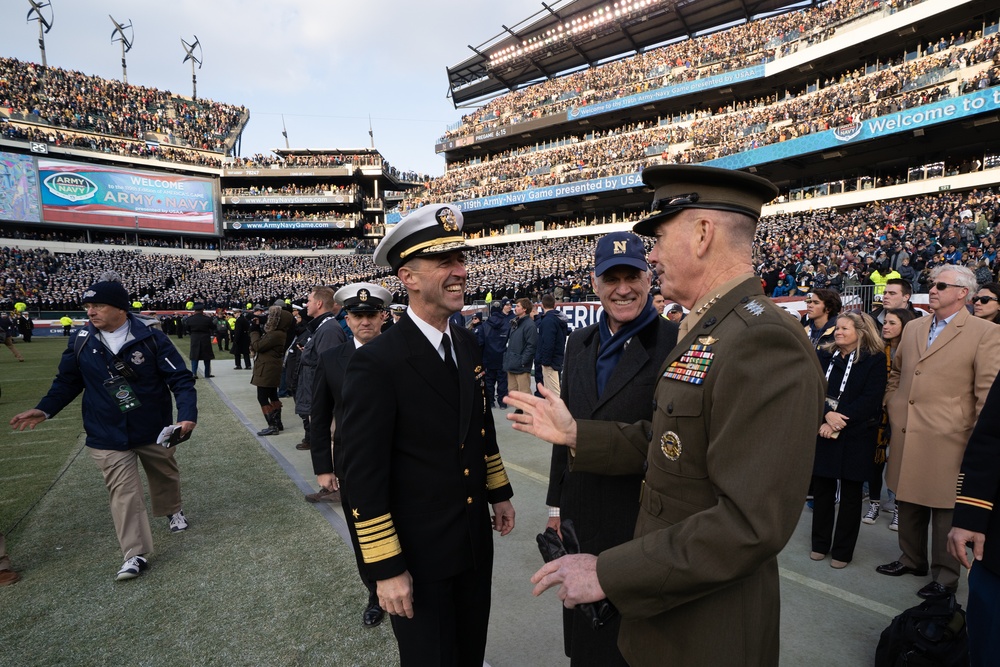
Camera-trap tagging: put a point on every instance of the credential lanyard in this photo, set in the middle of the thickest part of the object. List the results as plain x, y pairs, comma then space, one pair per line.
847, 372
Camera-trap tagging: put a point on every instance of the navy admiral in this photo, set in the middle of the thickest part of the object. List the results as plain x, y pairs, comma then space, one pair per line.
365, 308
422, 484
726, 456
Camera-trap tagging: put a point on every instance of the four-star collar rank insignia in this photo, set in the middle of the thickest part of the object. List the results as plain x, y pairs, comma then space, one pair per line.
694, 363
755, 308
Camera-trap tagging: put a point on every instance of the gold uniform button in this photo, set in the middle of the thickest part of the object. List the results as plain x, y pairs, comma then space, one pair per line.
483, 433
468, 501
462, 446
466, 472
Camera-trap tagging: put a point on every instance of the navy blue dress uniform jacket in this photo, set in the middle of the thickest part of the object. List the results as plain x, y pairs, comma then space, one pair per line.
979, 481
328, 407
422, 458
851, 455
159, 370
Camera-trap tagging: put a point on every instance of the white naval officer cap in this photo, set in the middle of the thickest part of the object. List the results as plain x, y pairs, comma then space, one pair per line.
363, 298
433, 229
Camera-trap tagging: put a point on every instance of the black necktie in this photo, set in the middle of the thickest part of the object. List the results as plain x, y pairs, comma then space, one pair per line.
449, 362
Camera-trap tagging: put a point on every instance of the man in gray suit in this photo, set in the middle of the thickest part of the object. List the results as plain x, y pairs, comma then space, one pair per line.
610, 371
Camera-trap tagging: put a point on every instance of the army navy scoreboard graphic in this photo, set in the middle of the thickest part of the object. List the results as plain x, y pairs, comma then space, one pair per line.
116, 197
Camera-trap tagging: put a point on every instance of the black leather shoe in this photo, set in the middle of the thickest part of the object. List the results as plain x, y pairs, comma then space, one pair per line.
935, 590
372, 616
210, 376
897, 569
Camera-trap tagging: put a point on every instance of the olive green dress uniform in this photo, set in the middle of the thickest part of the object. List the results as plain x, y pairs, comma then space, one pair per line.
727, 461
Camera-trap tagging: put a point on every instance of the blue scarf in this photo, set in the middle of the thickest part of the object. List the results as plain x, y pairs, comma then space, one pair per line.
612, 346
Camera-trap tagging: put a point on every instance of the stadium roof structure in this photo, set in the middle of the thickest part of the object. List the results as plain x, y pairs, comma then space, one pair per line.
655, 22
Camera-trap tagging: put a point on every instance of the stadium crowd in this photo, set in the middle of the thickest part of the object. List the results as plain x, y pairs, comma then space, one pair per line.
852, 97
796, 253
109, 145
293, 189
753, 43
76, 101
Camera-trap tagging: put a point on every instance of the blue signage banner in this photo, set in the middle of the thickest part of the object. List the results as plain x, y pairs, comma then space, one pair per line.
554, 192
657, 94
981, 101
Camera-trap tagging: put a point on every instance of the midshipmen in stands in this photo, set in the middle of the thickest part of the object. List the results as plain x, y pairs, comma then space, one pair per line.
727, 455
421, 459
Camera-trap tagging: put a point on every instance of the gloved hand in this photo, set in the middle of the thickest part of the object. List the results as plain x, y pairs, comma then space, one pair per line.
551, 548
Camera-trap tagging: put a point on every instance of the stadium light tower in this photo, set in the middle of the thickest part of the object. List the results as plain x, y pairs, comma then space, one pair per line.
44, 19
118, 35
195, 59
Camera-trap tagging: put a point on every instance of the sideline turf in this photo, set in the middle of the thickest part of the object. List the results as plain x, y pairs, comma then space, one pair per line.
260, 578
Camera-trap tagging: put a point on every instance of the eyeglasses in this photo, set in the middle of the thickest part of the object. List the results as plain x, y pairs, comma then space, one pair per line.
940, 287
671, 202
984, 299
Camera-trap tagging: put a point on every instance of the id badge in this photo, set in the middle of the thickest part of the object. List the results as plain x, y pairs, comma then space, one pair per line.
122, 393
832, 403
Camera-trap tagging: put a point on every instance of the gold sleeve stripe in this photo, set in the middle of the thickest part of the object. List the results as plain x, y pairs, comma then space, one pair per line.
975, 502
377, 539
377, 552
496, 475
371, 522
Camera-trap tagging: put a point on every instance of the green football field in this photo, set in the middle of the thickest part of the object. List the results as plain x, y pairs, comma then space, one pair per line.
260, 578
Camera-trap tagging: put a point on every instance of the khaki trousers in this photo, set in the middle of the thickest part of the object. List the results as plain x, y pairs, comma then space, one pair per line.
4, 560
9, 342
550, 378
519, 382
913, 522
128, 505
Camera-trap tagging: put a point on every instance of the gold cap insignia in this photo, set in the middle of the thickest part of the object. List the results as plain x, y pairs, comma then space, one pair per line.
363, 295
670, 445
620, 247
446, 217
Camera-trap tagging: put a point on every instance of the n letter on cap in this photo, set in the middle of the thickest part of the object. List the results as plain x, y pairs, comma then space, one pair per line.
620, 247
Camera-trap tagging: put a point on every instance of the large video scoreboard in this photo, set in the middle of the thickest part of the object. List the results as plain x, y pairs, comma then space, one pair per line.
45, 190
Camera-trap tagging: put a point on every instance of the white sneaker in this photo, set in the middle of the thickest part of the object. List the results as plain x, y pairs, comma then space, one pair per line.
178, 522
895, 520
872, 515
131, 568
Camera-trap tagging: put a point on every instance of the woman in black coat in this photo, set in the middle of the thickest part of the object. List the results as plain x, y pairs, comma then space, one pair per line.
845, 446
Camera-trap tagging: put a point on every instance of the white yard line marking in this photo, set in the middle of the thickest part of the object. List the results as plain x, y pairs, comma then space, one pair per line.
531, 474
840, 593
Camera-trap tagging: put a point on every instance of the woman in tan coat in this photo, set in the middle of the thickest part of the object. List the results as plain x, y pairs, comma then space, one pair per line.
269, 346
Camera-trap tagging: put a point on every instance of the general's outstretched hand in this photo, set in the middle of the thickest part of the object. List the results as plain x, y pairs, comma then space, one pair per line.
546, 418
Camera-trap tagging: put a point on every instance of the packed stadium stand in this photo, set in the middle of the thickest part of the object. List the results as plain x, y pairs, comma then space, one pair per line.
878, 121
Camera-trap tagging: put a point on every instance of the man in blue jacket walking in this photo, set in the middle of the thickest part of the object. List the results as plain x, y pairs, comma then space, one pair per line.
551, 348
496, 328
127, 373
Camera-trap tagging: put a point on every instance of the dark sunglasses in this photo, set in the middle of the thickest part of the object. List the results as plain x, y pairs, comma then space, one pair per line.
943, 286
984, 299
670, 202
